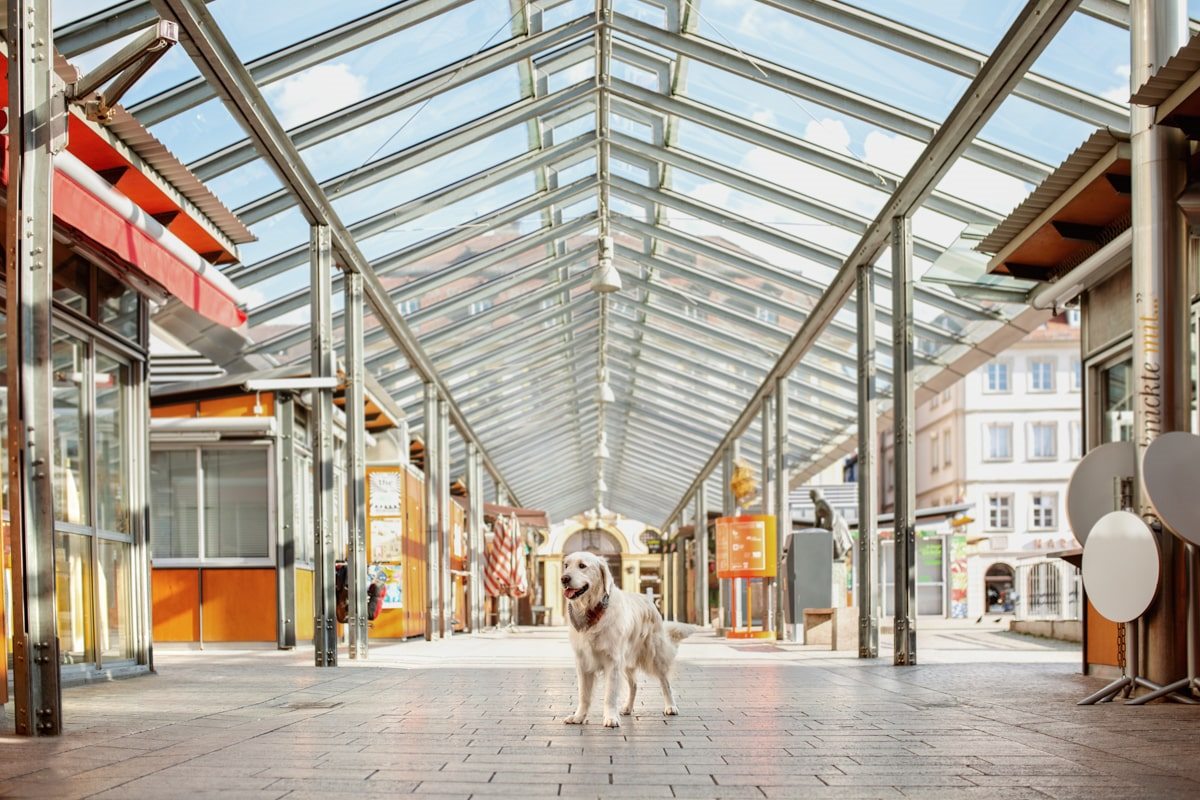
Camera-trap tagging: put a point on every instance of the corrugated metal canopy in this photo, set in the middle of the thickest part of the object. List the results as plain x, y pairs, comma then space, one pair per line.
745, 147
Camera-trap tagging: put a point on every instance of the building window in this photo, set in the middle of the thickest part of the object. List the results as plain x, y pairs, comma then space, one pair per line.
1041, 375
997, 442
766, 315
1076, 375
210, 503
1073, 317
996, 378
945, 395
1045, 512
1043, 441
1076, 433
889, 475
999, 512
947, 448
409, 306
935, 454
479, 306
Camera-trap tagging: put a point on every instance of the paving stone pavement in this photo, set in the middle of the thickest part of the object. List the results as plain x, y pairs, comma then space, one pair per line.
991, 715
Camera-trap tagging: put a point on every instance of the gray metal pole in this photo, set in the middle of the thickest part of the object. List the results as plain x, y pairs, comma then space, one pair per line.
867, 581
1161, 372
903, 409
765, 494
289, 514
728, 509
432, 550
701, 525
474, 536
30, 273
356, 466
323, 366
445, 624
783, 506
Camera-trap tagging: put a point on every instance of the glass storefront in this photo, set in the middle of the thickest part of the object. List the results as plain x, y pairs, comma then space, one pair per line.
99, 417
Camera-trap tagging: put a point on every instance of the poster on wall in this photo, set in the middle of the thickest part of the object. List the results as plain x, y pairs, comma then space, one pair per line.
387, 540
391, 575
385, 492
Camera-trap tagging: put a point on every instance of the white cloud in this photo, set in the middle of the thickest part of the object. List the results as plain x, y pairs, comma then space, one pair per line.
829, 133
315, 92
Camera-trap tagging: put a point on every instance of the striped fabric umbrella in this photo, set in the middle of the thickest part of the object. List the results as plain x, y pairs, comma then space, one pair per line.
500, 572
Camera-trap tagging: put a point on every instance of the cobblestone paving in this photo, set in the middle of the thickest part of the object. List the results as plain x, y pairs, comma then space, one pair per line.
990, 715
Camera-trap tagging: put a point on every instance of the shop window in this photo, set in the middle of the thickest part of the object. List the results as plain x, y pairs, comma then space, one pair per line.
997, 441
1116, 392
212, 503
1041, 375
1043, 441
999, 512
71, 456
1044, 512
996, 378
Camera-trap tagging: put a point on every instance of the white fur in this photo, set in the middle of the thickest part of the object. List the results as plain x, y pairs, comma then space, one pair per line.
630, 636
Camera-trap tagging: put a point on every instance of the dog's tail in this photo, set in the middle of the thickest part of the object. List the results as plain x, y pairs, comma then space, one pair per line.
678, 631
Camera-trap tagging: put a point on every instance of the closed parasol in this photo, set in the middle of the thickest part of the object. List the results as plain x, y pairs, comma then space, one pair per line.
500, 577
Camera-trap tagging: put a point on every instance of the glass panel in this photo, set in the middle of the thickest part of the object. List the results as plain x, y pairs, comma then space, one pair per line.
174, 505
72, 278
71, 457
1117, 396
116, 607
119, 305
236, 498
114, 429
73, 576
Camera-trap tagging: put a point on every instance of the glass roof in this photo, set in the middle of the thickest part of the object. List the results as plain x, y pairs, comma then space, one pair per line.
749, 144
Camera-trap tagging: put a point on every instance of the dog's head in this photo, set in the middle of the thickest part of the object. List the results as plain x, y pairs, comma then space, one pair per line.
585, 575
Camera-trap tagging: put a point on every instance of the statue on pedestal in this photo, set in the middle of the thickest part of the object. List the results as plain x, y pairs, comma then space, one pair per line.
832, 521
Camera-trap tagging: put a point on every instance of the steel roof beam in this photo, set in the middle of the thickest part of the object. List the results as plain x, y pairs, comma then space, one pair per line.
760, 135
299, 56
955, 58
218, 62
1028, 36
803, 87
400, 97
95, 30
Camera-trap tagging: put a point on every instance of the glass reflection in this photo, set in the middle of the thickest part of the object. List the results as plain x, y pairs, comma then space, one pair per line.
71, 455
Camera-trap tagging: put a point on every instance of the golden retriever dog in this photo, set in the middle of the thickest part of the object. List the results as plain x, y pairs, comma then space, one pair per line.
616, 634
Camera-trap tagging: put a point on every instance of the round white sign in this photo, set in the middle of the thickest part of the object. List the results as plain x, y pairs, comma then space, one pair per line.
1120, 566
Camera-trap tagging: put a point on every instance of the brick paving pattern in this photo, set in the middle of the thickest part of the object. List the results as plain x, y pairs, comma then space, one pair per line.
482, 717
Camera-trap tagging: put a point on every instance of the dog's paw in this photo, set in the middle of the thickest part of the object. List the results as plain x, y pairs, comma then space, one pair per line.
612, 722
670, 711
626, 711
574, 719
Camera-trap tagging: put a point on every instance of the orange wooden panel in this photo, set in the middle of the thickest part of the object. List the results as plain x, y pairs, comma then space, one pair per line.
186, 409
5, 558
415, 538
238, 406
175, 594
1101, 638
240, 605
304, 605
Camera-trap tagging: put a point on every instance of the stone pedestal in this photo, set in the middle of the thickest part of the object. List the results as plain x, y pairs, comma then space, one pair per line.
835, 627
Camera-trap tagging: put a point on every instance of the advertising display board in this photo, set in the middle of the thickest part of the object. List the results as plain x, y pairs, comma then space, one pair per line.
385, 528
746, 546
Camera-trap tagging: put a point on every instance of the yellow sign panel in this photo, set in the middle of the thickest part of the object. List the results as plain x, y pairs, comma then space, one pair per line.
746, 546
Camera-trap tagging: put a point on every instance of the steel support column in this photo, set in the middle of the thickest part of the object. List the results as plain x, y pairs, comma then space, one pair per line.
903, 409
782, 500
445, 529
30, 274
765, 493
866, 582
475, 536
324, 365
289, 513
701, 534
1161, 372
432, 498
356, 466
728, 509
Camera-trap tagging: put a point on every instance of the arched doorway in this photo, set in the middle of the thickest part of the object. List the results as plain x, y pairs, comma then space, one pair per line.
999, 586
599, 542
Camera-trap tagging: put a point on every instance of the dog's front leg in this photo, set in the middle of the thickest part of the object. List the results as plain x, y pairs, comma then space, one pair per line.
585, 679
612, 692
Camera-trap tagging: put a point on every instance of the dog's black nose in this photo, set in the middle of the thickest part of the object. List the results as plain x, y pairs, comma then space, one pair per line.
566, 580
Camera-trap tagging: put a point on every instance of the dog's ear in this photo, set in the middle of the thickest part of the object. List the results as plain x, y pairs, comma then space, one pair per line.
609, 584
